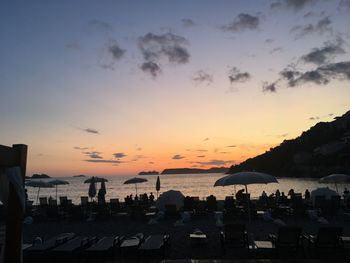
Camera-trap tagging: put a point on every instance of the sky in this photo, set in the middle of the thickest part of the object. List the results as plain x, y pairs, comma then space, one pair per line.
119, 87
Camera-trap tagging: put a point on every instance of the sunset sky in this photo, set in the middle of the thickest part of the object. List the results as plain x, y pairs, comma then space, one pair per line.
117, 87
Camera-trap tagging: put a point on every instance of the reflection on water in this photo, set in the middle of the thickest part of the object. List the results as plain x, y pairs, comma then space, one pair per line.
193, 185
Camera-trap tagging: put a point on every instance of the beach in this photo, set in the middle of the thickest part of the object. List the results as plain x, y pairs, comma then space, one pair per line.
180, 244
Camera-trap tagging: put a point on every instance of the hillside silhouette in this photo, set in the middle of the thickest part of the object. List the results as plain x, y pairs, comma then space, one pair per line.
319, 151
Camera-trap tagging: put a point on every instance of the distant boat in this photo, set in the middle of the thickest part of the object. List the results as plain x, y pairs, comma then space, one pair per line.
149, 173
80, 175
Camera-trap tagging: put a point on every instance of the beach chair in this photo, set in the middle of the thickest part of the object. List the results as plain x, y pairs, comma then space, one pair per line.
234, 235
155, 246
53, 202
130, 245
104, 249
40, 248
84, 201
327, 241
114, 205
63, 200
188, 204
212, 203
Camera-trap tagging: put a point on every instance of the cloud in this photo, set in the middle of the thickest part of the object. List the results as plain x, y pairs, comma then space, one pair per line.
155, 47
206, 139
276, 49
231, 146
283, 135
80, 148
344, 5
102, 161
93, 155
177, 157
224, 152
203, 77
151, 68
321, 75
116, 51
90, 130
322, 55
314, 118
139, 149
235, 75
201, 150
119, 155
269, 87
215, 162
200, 156
242, 22
269, 40
321, 27
99, 25
295, 5
72, 46
187, 22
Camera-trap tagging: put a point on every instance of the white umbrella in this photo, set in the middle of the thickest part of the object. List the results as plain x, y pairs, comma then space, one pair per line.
135, 180
96, 179
170, 197
39, 184
57, 182
245, 178
335, 179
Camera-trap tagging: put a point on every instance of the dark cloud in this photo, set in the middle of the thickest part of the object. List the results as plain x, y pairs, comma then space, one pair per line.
224, 152
151, 68
155, 47
321, 75
177, 157
269, 40
275, 5
116, 51
80, 148
314, 118
242, 22
235, 75
72, 46
93, 155
276, 49
200, 156
330, 114
344, 5
215, 162
119, 155
269, 87
203, 77
283, 135
321, 27
231, 146
89, 130
323, 55
206, 139
139, 149
187, 22
99, 25
201, 150
103, 161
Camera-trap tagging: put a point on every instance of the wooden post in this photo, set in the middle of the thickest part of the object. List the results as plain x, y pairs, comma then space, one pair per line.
13, 241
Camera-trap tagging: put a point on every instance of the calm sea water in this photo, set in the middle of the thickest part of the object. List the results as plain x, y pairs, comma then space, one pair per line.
189, 184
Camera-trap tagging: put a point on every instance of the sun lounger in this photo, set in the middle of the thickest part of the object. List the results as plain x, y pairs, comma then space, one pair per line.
234, 235
131, 243
155, 245
76, 244
50, 243
104, 248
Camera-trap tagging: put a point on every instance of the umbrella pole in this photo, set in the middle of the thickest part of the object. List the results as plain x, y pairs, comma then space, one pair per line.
246, 192
37, 197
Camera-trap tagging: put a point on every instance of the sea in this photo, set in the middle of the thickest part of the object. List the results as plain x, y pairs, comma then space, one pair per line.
200, 185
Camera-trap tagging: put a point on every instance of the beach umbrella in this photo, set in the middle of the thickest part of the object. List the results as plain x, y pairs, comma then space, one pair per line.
39, 184
57, 182
135, 180
92, 188
322, 191
96, 180
171, 197
103, 188
335, 179
157, 185
246, 178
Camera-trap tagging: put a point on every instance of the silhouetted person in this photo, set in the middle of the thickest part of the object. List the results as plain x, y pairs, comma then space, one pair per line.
239, 194
278, 194
151, 197
307, 194
101, 197
291, 193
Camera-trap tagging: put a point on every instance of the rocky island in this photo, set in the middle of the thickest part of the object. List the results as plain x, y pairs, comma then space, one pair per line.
195, 170
148, 173
40, 176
